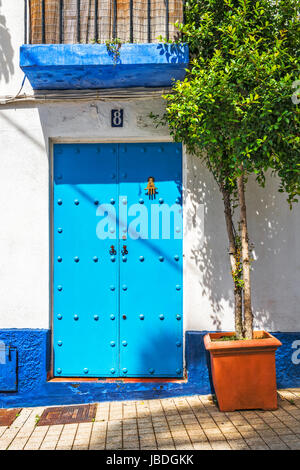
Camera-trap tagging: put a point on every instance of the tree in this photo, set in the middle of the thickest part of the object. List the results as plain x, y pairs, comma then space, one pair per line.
234, 110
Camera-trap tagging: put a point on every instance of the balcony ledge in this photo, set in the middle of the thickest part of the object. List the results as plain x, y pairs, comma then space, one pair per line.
92, 66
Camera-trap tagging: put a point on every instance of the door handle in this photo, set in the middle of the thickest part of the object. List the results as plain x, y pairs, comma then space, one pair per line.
124, 250
112, 250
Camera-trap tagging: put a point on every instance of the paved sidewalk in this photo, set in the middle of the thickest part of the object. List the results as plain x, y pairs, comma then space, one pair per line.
168, 424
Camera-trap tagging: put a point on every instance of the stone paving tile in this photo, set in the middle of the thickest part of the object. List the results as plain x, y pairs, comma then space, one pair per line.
11, 432
220, 445
202, 446
35, 440
2, 429
52, 437
294, 445
277, 446
256, 444
238, 444
167, 446
168, 424
98, 436
82, 436
67, 436
26, 430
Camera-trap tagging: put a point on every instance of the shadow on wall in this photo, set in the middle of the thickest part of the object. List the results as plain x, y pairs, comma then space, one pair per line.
6, 50
207, 258
23, 129
272, 231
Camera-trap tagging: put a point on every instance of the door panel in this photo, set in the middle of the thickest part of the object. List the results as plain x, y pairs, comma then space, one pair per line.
85, 306
151, 272
117, 314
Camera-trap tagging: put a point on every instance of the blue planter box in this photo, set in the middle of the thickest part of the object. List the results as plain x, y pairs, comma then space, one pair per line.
92, 66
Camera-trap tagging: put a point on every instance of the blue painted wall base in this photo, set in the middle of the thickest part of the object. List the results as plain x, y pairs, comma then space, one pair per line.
34, 361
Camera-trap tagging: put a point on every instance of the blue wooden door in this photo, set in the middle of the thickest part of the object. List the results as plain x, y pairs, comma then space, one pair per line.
117, 260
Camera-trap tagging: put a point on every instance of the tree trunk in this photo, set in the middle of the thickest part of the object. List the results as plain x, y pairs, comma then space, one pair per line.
248, 316
238, 300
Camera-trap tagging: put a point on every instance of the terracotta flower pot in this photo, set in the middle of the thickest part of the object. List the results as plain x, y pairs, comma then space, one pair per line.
243, 372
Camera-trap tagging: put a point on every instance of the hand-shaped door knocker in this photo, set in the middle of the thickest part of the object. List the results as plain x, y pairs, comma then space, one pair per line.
112, 250
151, 188
124, 250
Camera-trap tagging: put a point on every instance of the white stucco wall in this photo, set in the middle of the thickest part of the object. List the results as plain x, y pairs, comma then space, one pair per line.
11, 37
25, 133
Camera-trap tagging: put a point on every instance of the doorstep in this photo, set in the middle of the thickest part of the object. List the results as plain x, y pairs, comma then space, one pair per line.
118, 380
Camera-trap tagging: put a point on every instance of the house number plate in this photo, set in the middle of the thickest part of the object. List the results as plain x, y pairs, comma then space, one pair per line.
117, 117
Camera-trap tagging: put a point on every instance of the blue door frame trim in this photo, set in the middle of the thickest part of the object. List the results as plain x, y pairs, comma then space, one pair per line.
51, 143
